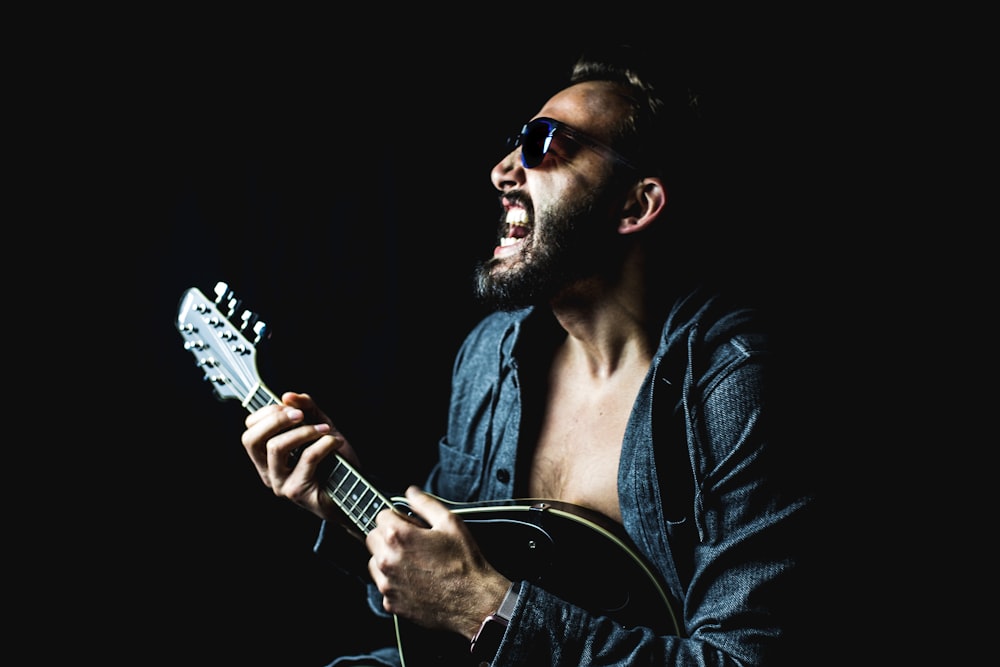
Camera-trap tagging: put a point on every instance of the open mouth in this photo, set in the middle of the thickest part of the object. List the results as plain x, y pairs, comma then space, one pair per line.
517, 228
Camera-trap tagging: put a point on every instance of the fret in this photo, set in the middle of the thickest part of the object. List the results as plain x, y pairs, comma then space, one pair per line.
258, 398
368, 515
340, 472
368, 497
336, 491
350, 494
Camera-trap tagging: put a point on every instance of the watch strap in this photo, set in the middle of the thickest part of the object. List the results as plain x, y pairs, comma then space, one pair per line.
506, 608
485, 644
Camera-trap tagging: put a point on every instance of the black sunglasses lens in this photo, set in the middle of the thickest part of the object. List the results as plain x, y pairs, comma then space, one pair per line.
535, 138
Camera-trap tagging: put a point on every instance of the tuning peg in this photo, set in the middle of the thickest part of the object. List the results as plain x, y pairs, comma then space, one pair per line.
234, 305
222, 292
249, 318
260, 329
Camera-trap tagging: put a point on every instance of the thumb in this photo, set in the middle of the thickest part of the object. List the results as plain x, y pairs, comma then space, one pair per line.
426, 506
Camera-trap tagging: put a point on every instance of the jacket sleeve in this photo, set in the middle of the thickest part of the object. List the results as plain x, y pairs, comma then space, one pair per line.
738, 551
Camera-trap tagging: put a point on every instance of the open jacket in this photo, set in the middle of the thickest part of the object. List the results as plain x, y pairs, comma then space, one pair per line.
709, 489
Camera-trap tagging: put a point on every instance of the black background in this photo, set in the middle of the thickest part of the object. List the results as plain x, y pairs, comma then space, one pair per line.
337, 177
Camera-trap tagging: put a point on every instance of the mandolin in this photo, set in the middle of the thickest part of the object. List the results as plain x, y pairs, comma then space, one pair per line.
573, 552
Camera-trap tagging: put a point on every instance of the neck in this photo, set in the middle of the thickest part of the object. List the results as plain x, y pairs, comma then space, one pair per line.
608, 326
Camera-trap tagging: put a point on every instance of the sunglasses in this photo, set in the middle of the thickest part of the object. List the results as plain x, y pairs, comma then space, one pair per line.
535, 139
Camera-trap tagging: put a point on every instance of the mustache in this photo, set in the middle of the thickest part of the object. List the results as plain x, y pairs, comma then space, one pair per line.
516, 197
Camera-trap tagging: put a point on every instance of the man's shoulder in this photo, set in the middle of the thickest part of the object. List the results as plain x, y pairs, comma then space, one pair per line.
717, 317
500, 323
487, 336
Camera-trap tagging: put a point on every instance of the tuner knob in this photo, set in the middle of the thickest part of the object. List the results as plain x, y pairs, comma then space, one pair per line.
249, 318
260, 329
221, 291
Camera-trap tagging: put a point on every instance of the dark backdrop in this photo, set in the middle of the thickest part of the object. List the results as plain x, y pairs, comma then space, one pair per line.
344, 194
343, 191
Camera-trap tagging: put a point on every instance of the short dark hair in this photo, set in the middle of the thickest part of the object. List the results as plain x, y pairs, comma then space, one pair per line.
664, 133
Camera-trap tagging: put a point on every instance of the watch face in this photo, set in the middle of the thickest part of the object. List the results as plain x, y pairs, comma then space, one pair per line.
487, 640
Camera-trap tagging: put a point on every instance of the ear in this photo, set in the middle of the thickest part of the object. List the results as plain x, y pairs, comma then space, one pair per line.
643, 205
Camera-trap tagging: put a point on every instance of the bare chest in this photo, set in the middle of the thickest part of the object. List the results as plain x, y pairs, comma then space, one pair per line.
577, 456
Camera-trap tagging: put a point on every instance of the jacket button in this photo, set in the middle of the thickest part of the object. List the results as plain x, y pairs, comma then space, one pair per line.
503, 476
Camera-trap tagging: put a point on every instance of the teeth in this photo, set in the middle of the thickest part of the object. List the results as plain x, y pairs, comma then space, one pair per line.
517, 216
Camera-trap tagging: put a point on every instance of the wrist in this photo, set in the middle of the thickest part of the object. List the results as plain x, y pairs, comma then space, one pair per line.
486, 642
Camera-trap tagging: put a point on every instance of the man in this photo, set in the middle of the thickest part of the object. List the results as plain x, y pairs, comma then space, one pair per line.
610, 378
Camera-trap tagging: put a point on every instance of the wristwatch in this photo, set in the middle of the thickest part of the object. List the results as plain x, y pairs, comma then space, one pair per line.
486, 643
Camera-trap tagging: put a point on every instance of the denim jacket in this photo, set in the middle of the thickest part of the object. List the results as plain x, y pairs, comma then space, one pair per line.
708, 495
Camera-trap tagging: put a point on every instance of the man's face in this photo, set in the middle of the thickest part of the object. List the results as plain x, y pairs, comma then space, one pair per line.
560, 218
568, 239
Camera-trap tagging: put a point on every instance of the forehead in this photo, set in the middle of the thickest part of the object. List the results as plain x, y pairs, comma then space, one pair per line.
593, 106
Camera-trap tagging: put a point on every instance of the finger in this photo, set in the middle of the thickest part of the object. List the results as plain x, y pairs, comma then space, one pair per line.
427, 507
263, 413
284, 450
262, 426
311, 469
267, 421
381, 583
298, 400
305, 403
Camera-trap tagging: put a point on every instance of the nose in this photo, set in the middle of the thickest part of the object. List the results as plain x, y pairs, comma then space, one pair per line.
508, 172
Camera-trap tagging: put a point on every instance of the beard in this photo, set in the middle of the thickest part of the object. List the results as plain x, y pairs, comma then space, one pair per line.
579, 241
